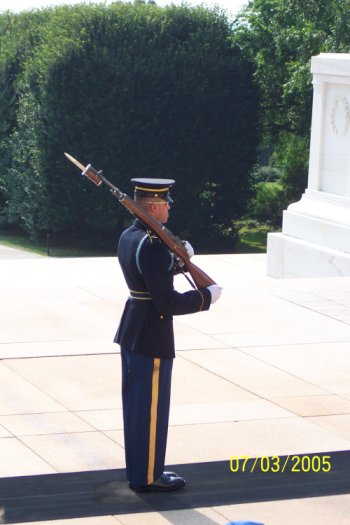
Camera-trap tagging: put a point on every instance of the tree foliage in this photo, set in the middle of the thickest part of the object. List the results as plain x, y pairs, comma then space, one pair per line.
267, 204
280, 37
139, 91
18, 37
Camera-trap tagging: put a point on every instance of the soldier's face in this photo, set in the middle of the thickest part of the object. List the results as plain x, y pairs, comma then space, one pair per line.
161, 211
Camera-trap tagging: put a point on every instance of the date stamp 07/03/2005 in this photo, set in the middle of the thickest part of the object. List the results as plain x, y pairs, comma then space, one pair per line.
278, 464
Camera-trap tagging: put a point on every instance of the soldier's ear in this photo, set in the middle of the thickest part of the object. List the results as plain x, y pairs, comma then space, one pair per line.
152, 207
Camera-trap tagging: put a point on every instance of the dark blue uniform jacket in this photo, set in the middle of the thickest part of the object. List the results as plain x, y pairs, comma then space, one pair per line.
146, 325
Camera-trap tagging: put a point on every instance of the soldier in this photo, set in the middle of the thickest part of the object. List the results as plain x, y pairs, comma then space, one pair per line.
146, 338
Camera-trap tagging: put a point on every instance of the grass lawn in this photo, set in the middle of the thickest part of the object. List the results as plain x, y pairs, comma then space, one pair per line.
253, 238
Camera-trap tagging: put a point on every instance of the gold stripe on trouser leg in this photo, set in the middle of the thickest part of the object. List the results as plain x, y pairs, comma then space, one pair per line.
153, 421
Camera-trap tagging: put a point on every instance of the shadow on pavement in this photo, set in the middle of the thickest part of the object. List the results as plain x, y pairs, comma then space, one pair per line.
105, 492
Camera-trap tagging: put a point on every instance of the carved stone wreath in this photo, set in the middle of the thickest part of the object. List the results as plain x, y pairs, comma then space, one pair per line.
340, 103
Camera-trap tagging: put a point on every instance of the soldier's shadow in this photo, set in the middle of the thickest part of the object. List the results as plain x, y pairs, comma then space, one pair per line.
211, 484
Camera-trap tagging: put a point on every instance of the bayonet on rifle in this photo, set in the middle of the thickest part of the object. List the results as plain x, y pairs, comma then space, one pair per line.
174, 244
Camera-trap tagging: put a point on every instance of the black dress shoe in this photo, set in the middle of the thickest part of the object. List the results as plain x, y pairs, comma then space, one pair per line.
171, 474
166, 483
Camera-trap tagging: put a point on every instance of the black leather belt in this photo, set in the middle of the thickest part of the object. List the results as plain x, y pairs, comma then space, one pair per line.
141, 296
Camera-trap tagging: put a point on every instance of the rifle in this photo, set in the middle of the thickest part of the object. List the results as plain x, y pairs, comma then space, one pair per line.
200, 278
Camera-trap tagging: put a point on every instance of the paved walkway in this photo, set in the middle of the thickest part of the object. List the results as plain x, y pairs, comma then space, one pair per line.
264, 373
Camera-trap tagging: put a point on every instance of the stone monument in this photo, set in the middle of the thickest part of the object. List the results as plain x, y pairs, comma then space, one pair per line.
315, 238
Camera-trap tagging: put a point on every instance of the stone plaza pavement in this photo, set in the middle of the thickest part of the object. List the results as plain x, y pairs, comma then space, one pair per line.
265, 372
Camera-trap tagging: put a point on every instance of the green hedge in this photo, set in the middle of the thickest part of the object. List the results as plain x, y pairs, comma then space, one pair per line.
268, 203
140, 91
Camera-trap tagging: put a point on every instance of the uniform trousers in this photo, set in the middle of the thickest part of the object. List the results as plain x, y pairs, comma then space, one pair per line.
146, 386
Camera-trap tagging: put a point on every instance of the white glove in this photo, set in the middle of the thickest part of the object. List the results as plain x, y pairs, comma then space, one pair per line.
188, 248
215, 291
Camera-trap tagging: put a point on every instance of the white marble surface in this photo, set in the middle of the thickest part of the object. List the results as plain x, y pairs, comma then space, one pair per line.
315, 238
264, 372
290, 258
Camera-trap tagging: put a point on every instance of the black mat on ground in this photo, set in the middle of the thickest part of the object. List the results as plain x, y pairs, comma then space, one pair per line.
100, 493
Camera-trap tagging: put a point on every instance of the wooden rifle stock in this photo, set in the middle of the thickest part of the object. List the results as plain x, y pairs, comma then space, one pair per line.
200, 278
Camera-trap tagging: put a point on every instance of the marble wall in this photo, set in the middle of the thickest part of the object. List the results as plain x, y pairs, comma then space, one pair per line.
315, 238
